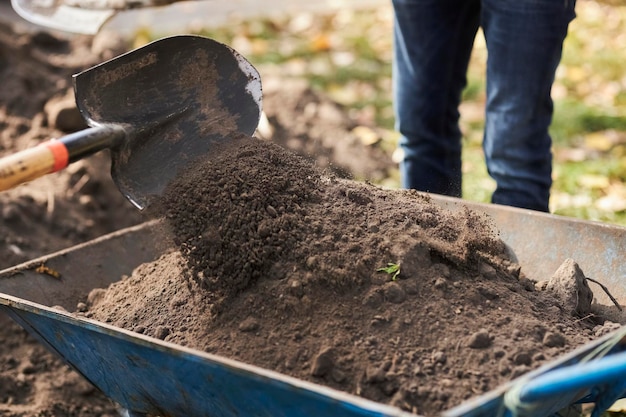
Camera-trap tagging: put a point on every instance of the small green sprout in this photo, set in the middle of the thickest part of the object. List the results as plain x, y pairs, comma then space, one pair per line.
391, 269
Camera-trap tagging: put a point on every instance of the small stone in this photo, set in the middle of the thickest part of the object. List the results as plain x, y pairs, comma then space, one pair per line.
323, 363
161, 332
441, 269
522, 358
440, 283
250, 324
394, 293
488, 271
271, 211
488, 293
499, 354
551, 339
570, 286
479, 340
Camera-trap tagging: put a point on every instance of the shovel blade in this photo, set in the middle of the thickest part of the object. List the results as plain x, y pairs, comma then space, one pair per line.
175, 97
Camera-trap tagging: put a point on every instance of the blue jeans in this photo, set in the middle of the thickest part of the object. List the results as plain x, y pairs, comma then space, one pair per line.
433, 40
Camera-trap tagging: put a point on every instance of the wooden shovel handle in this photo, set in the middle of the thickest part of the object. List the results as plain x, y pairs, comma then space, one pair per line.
55, 155
32, 163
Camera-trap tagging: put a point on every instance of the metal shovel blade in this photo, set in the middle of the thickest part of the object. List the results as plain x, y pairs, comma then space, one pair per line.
174, 98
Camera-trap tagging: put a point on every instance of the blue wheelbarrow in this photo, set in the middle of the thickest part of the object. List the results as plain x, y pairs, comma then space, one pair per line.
150, 377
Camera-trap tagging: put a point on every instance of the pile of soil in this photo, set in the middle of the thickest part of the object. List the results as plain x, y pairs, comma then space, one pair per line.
275, 253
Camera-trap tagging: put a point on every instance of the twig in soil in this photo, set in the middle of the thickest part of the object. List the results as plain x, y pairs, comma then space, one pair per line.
46, 270
50, 205
588, 316
606, 290
79, 184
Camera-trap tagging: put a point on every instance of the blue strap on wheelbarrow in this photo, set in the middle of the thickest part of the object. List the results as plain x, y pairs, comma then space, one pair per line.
598, 377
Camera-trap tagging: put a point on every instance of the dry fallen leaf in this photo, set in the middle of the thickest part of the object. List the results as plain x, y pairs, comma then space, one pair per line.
599, 141
366, 135
593, 181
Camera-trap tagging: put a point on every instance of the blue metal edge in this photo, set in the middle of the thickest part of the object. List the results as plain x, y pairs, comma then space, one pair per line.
153, 377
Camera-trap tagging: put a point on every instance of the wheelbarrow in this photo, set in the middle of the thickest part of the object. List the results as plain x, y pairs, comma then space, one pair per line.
150, 377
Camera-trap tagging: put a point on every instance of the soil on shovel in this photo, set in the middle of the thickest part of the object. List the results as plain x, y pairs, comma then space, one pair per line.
279, 255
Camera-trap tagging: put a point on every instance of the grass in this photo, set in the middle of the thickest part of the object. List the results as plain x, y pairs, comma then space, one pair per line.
347, 55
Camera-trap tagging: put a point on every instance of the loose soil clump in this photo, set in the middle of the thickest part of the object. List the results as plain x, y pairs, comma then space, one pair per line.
279, 255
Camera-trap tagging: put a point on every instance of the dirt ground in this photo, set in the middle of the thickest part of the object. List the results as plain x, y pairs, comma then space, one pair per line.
275, 235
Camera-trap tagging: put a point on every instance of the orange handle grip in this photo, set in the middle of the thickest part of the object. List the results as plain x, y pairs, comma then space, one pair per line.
32, 163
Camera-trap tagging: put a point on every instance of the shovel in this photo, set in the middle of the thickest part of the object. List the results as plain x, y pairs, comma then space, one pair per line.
157, 108
77, 16
58, 16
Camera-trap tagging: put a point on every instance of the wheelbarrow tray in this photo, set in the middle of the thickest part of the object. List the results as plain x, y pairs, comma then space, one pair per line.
149, 376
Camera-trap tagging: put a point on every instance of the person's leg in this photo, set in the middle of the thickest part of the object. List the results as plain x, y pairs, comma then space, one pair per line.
433, 40
524, 44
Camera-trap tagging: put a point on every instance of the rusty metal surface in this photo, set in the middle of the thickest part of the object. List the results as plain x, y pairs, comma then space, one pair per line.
541, 242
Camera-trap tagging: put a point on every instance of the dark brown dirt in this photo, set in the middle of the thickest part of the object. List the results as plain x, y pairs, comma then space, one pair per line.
280, 255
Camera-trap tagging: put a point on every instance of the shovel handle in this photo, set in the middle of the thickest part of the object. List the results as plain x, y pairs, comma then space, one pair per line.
55, 154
